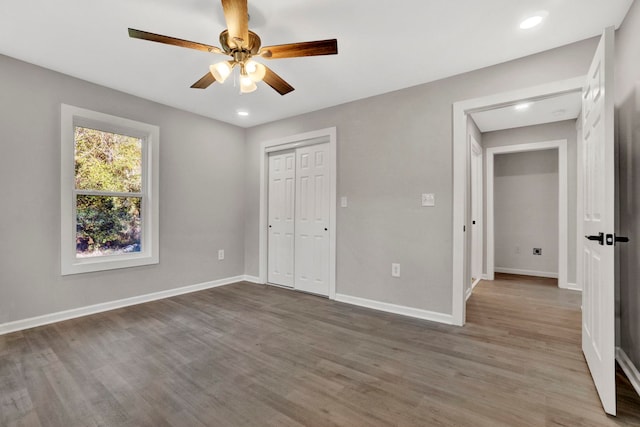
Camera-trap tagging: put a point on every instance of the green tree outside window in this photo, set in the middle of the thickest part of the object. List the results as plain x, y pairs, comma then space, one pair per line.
108, 182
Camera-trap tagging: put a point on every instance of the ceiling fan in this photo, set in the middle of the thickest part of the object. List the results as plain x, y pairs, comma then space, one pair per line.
242, 45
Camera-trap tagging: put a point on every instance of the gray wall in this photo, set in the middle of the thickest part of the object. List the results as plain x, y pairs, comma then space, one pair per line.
548, 132
391, 148
201, 204
628, 126
526, 211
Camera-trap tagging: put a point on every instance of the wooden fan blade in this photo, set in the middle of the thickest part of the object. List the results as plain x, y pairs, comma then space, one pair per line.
236, 14
277, 82
206, 81
144, 35
294, 50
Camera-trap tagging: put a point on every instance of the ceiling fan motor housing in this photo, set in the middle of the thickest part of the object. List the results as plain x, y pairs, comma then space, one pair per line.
230, 46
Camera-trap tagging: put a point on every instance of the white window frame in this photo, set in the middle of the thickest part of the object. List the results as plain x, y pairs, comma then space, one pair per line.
150, 135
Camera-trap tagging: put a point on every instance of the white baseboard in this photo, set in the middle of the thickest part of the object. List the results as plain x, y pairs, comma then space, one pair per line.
252, 279
629, 368
397, 309
46, 319
526, 272
572, 287
470, 290
486, 277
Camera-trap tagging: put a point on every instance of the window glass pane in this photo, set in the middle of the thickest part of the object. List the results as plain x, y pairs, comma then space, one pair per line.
106, 161
107, 225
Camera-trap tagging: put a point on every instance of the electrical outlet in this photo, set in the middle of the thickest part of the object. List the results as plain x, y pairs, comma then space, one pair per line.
395, 270
537, 251
220, 254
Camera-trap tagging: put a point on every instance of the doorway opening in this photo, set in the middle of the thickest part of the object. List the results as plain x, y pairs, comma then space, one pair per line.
462, 113
561, 217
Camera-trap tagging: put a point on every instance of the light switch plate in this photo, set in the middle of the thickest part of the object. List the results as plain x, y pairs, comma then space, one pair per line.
395, 270
428, 199
220, 254
343, 201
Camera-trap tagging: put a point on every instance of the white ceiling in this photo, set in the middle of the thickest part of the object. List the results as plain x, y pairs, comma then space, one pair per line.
549, 110
384, 45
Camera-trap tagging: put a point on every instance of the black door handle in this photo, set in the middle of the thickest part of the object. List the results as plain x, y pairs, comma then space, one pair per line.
599, 238
612, 239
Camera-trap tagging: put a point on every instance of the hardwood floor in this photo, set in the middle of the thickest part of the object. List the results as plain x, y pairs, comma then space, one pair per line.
245, 355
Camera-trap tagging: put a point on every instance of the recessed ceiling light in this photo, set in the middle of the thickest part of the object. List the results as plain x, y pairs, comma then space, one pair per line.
533, 21
243, 113
523, 106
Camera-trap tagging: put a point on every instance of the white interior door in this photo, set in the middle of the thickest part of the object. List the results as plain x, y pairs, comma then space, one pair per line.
598, 310
312, 219
282, 174
476, 210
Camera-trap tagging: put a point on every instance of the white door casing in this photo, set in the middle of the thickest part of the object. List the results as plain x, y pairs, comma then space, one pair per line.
598, 169
282, 168
312, 219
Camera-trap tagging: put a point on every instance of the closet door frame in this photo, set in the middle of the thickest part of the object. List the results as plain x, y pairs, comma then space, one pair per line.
326, 136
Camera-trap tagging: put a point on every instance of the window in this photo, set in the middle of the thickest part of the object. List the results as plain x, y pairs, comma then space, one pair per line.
109, 183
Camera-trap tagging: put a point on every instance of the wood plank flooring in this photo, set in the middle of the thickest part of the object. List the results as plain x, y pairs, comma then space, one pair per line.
250, 355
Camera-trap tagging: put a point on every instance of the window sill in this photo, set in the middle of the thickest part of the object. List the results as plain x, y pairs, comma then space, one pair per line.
89, 265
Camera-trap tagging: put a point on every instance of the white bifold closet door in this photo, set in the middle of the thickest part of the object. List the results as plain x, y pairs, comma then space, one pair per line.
299, 206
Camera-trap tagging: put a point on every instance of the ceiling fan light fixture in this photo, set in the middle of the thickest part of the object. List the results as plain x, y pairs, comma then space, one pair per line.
221, 70
255, 70
247, 85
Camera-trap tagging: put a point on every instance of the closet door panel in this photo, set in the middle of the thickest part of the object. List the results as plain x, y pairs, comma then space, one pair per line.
282, 186
312, 220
